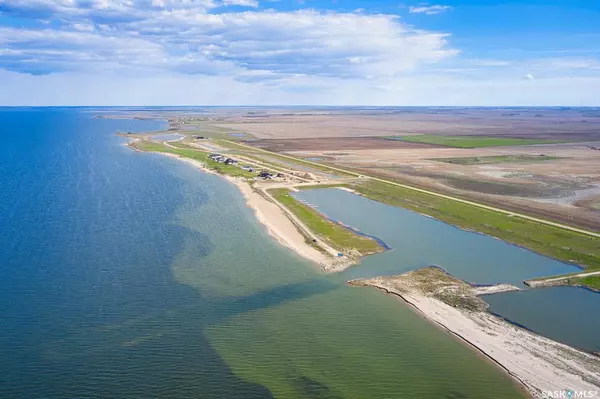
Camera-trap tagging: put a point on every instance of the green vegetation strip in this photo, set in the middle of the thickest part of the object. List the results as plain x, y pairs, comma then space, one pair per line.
201, 156
496, 159
335, 235
592, 282
471, 141
548, 240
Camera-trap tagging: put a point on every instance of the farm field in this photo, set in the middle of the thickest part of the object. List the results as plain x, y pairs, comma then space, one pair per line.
494, 159
472, 141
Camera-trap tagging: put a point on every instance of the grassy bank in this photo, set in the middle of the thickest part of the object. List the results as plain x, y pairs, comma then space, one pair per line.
472, 141
185, 151
592, 282
333, 234
547, 240
569, 279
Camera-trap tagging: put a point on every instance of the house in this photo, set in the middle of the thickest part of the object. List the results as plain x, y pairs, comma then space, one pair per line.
230, 161
248, 168
217, 157
265, 174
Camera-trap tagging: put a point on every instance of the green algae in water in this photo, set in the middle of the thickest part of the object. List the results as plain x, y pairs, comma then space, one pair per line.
352, 343
278, 322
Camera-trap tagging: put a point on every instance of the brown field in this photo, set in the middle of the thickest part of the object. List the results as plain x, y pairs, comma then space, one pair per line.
336, 144
580, 125
565, 189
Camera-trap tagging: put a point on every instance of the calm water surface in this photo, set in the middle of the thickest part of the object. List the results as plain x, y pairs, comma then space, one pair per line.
566, 314
131, 275
573, 318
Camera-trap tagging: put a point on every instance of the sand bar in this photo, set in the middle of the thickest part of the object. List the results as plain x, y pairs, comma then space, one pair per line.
538, 363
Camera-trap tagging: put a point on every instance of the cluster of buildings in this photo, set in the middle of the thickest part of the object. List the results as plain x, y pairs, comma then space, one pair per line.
264, 174
222, 158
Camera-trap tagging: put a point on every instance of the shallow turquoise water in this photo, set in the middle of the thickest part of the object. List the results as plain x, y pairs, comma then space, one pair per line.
566, 314
133, 275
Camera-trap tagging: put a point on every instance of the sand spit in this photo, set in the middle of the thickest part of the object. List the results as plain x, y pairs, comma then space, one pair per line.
282, 227
287, 231
538, 363
494, 289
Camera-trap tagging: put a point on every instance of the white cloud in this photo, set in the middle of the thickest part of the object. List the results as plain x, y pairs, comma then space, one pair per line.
201, 52
491, 63
243, 3
566, 63
429, 10
188, 39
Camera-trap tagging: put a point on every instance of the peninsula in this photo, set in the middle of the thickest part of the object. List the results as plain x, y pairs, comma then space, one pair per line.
538, 363
269, 180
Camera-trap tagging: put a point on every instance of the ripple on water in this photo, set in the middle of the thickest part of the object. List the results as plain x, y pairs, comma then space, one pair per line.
130, 275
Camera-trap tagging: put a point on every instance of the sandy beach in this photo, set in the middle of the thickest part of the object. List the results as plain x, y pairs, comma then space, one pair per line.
540, 364
537, 363
281, 225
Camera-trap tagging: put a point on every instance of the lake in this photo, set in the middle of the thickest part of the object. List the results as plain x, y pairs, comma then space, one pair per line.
418, 241
134, 275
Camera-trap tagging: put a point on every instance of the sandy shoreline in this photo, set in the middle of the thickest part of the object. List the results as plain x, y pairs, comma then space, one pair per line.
276, 222
538, 363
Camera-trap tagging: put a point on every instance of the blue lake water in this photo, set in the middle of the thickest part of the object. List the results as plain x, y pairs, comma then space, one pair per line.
134, 275
419, 241
566, 314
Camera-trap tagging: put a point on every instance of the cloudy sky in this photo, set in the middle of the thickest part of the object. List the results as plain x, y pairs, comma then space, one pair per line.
326, 52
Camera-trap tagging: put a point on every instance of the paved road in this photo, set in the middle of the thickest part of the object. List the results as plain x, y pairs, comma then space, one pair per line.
555, 280
477, 204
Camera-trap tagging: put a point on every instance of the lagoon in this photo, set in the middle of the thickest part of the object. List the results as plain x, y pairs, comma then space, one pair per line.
418, 241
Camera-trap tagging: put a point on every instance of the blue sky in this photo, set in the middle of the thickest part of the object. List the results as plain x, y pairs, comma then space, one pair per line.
325, 52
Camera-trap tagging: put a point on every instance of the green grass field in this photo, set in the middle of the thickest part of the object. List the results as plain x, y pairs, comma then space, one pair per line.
495, 159
592, 282
471, 141
335, 235
547, 240
197, 155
